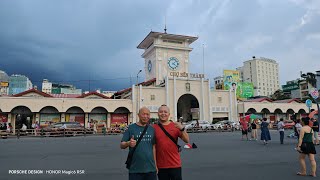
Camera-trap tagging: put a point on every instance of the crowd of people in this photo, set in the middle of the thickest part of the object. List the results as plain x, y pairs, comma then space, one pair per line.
306, 130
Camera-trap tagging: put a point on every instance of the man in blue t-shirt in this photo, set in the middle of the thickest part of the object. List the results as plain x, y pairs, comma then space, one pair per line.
143, 166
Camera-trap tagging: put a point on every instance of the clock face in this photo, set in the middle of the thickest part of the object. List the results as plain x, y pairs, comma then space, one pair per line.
149, 66
173, 63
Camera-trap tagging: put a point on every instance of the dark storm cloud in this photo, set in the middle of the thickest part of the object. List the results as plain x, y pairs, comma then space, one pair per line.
76, 41
93, 43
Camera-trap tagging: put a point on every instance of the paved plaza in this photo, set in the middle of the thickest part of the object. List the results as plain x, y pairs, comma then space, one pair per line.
219, 156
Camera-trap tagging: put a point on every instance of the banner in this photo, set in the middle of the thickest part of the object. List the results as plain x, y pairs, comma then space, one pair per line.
230, 79
3, 118
75, 118
101, 119
245, 90
119, 119
46, 119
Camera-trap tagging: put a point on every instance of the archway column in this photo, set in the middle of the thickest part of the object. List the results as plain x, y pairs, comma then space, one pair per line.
63, 117
12, 120
108, 120
86, 119
202, 101
175, 98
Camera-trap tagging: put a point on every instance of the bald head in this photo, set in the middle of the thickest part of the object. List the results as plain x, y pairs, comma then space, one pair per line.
164, 107
143, 109
144, 115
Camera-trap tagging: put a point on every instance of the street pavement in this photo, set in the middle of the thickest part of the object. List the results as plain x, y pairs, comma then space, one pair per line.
218, 156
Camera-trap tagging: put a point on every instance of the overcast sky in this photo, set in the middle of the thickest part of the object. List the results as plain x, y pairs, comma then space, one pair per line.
73, 41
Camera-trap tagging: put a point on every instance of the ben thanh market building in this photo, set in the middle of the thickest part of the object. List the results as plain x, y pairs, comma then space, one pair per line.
168, 81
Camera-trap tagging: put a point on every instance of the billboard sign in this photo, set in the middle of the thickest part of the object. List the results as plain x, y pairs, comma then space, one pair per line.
290, 87
245, 90
230, 79
4, 84
314, 93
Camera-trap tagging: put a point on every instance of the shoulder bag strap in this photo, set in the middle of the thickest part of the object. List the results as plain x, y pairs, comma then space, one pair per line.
172, 139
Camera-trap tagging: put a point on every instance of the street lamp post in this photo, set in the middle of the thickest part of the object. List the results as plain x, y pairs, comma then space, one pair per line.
138, 76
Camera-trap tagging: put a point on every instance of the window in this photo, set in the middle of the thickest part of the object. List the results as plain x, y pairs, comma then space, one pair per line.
220, 99
153, 97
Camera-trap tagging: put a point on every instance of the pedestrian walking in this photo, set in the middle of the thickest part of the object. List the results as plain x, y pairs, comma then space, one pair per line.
315, 128
254, 131
167, 149
140, 138
265, 134
298, 127
280, 126
95, 130
244, 129
306, 148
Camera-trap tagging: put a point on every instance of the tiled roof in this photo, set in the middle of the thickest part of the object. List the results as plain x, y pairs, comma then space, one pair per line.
287, 101
258, 100
146, 83
65, 95
32, 91
93, 93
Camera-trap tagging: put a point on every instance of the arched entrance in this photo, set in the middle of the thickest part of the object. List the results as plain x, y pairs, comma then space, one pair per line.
49, 115
99, 115
3, 120
22, 115
251, 111
291, 114
75, 114
279, 114
120, 117
188, 108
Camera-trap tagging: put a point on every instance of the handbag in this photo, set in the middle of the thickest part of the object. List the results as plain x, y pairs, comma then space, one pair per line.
172, 139
131, 152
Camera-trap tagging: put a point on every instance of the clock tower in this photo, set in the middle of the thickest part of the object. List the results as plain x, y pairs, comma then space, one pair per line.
165, 55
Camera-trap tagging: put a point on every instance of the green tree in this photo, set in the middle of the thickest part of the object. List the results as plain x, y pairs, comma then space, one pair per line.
279, 95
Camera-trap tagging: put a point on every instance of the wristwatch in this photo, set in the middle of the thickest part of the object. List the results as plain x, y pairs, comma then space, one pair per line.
183, 129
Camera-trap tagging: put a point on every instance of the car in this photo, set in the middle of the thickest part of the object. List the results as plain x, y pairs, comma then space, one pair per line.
203, 124
218, 125
234, 124
226, 125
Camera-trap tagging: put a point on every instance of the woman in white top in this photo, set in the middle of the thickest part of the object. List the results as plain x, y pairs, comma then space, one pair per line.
298, 127
95, 127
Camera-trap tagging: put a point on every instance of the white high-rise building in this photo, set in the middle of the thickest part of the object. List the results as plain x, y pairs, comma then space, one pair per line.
46, 86
263, 73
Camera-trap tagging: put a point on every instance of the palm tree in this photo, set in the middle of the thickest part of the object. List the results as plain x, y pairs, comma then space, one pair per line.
279, 95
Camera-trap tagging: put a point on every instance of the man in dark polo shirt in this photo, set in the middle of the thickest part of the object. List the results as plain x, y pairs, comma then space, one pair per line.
143, 165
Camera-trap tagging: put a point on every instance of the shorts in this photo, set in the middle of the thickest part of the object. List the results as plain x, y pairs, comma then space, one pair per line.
244, 132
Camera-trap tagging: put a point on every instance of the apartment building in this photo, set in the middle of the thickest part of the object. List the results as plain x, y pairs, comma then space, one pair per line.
263, 73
